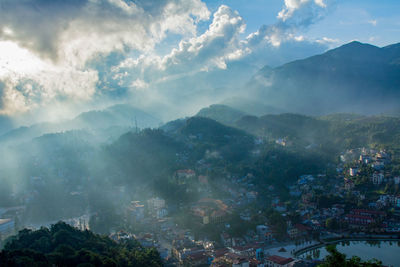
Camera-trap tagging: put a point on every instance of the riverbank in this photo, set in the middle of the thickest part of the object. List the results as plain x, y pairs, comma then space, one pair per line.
331, 241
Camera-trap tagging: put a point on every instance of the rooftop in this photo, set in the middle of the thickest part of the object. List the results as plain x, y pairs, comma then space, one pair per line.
279, 260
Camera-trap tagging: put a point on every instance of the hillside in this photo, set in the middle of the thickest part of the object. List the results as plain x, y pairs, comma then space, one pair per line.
333, 132
63, 245
221, 113
355, 77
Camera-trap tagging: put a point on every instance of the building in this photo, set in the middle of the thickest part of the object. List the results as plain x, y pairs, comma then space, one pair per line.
397, 202
156, 203
365, 159
236, 260
378, 165
262, 230
135, 211
358, 220
348, 184
196, 259
353, 171
281, 141
377, 178
186, 174
278, 261
203, 180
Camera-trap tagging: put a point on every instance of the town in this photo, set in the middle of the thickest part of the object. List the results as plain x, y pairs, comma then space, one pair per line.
237, 221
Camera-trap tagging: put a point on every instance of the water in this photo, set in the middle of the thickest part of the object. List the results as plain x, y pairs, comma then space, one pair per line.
386, 251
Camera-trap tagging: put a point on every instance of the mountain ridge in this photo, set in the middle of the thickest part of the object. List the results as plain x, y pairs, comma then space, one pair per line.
355, 78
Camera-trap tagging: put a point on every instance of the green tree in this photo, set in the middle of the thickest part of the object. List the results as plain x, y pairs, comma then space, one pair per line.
335, 259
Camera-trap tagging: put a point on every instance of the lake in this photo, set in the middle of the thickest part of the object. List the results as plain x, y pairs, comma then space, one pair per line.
386, 251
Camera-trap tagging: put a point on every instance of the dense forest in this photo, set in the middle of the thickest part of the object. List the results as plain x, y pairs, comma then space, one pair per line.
63, 245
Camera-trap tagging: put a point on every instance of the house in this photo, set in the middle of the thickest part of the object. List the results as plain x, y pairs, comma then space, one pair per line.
292, 232
203, 180
196, 259
353, 171
365, 159
280, 207
378, 165
237, 260
281, 141
251, 196
278, 261
348, 184
262, 229
302, 230
185, 174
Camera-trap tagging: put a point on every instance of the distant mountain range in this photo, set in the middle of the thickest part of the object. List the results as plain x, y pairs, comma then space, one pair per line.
355, 77
121, 116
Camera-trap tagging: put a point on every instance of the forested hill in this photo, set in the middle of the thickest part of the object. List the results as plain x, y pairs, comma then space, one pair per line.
63, 245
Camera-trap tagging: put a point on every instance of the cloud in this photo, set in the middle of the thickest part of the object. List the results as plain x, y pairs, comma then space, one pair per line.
91, 51
71, 30
56, 40
295, 15
295, 6
211, 49
373, 22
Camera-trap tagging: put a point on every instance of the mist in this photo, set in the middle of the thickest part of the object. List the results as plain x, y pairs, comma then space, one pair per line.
170, 125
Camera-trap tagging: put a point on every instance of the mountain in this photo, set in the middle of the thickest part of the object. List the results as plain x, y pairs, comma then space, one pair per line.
5, 124
356, 78
294, 126
107, 123
331, 133
221, 113
117, 115
251, 106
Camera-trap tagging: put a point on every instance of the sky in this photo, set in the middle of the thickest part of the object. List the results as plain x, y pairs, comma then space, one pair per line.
61, 57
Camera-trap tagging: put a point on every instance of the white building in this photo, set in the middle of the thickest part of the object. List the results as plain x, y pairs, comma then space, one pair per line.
377, 178
156, 203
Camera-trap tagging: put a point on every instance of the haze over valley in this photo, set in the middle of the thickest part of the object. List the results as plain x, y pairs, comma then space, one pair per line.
199, 133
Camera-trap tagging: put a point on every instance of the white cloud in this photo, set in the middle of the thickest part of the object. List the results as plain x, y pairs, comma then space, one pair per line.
327, 41
292, 6
53, 44
211, 49
54, 48
373, 22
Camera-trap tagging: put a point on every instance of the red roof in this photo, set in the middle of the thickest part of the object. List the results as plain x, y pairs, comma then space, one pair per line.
364, 211
200, 256
279, 260
302, 227
221, 252
359, 217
